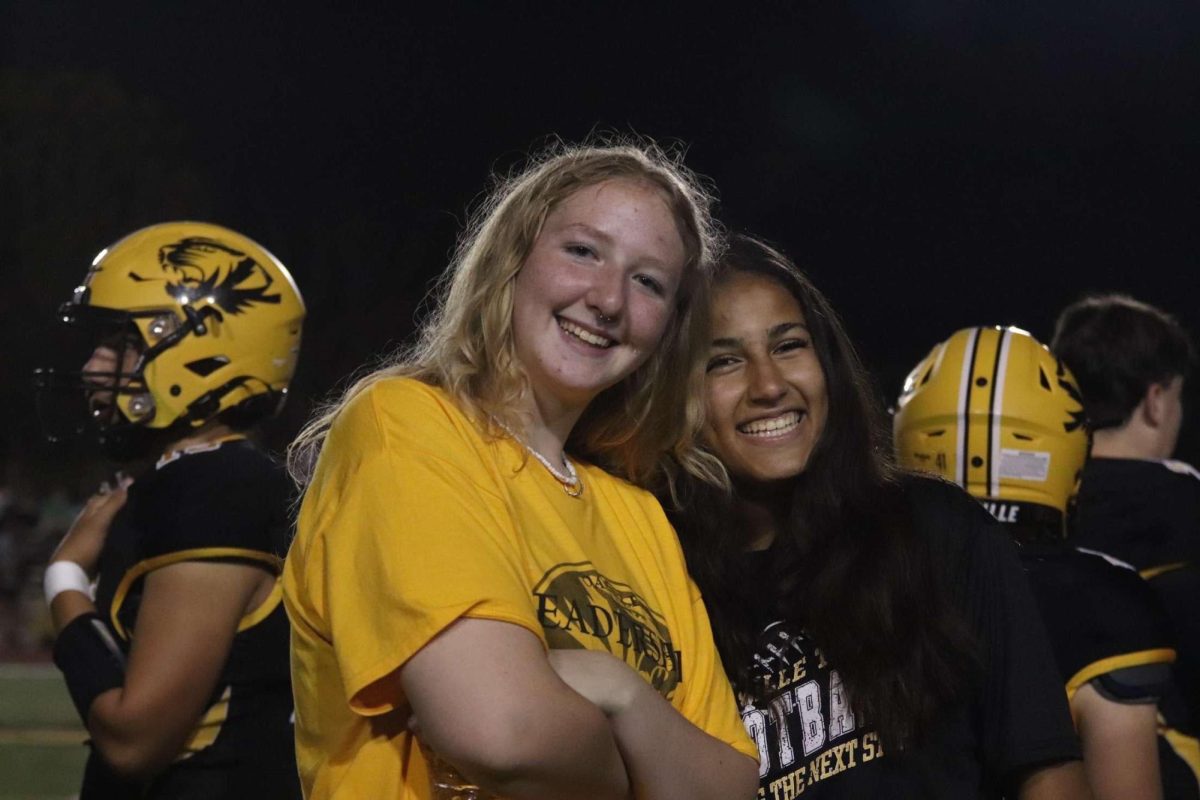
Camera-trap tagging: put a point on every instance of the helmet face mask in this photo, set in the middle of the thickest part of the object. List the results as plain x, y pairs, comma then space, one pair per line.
213, 318
994, 411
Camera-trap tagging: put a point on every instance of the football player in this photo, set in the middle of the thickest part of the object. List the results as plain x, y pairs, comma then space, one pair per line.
992, 410
1136, 503
165, 594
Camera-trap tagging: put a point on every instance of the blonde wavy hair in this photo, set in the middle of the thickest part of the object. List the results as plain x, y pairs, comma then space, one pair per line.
466, 344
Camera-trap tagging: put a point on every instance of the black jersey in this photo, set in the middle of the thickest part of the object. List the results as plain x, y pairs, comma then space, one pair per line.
1147, 514
224, 502
1108, 628
812, 742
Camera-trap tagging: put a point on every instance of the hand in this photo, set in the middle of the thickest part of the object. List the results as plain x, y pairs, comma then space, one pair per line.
605, 680
88, 532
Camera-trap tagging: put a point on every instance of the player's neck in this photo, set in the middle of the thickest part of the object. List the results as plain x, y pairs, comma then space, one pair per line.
1129, 441
206, 434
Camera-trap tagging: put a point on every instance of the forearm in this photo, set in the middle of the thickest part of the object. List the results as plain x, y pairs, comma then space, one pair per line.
123, 738
487, 701
668, 757
574, 754
66, 606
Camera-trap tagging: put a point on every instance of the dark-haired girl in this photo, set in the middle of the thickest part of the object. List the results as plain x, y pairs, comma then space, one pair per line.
878, 630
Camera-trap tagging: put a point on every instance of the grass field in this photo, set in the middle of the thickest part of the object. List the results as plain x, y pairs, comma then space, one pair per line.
41, 740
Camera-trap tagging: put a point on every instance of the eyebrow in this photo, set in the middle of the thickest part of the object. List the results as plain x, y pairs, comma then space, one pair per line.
607, 239
773, 332
583, 226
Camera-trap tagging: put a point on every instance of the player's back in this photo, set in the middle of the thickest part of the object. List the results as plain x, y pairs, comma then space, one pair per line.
1147, 514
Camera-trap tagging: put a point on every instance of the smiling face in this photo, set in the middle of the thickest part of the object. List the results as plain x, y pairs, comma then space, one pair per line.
597, 291
767, 401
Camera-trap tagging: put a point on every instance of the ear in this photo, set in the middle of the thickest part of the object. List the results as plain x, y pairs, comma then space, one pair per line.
1153, 404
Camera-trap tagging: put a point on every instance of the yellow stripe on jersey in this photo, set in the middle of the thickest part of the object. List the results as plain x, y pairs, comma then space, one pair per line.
1186, 747
269, 604
1154, 572
209, 726
196, 554
1158, 655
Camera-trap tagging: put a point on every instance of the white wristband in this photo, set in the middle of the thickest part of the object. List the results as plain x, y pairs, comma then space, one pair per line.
65, 576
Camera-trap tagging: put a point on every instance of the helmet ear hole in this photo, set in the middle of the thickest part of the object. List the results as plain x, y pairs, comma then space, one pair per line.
207, 366
1043, 379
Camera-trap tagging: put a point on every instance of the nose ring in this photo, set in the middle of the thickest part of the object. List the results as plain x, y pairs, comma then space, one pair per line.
604, 319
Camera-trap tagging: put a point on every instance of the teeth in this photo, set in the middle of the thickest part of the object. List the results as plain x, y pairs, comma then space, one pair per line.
587, 336
776, 426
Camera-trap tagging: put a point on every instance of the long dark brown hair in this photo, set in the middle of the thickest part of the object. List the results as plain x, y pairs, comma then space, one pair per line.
847, 563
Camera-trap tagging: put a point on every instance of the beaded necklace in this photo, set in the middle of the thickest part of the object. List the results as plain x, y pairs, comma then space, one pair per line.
569, 480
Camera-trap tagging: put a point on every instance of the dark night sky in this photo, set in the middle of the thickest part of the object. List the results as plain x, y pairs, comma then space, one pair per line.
932, 164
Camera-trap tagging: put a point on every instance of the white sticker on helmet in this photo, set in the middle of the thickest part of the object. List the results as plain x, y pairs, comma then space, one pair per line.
1024, 465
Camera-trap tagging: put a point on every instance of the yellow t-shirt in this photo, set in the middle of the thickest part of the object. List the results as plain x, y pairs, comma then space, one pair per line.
413, 520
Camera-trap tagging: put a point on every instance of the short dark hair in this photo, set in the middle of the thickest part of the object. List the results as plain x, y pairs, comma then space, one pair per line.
1118, 347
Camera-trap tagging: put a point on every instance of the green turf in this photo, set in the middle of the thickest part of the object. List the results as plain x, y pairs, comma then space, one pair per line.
34, 696
41, 751
40, 771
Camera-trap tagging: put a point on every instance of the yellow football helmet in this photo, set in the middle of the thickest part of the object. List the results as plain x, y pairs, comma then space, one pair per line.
214, 321
994, 411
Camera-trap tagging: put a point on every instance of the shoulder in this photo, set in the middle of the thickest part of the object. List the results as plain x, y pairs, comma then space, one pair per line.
938, 504
395, 404
395, 429
219, 469
1117, 582
1117, 610
1125, 471
402, 416
1183, 469
233, 495
963, 539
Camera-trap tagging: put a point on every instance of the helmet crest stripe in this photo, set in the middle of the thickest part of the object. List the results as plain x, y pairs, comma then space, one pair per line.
996, 412
964, 402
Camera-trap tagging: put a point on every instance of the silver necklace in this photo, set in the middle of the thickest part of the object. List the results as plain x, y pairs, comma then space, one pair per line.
569, 480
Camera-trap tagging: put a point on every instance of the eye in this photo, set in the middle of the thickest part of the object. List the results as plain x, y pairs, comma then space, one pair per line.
580, 250
651, 283
788, 345
720, 362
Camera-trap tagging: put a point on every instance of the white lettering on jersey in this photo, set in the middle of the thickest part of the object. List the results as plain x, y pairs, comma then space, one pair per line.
781, 708
841, 716
812, 720
756, 728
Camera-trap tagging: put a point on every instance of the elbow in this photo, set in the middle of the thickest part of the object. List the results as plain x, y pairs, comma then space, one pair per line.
496, 754
508, 753
133, 759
